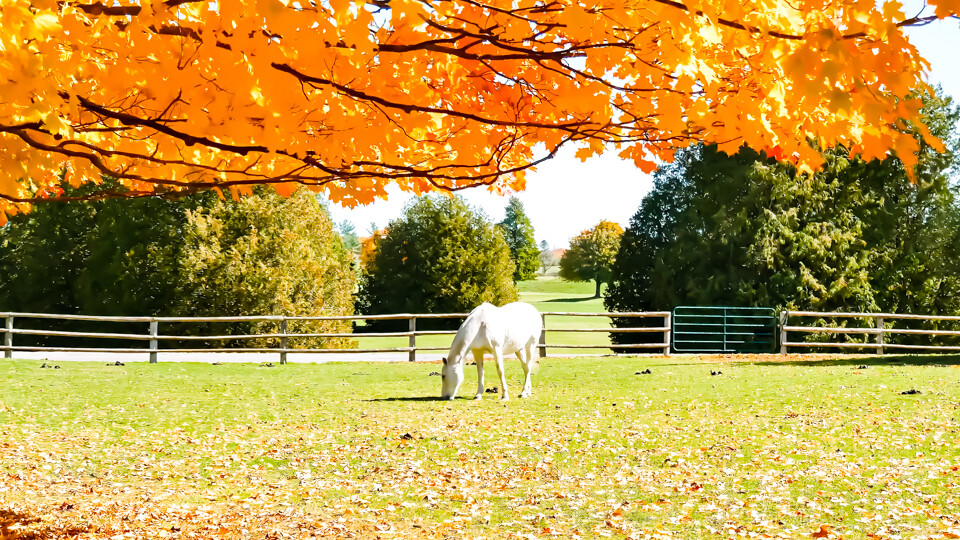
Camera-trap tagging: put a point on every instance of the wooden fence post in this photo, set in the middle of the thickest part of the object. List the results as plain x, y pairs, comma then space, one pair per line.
542, 345
283, 340
413, 340
880, 335
8, 338
667, 321
784, 315
154, 327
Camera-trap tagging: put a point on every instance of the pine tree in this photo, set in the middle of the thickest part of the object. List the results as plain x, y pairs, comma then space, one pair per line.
518, 232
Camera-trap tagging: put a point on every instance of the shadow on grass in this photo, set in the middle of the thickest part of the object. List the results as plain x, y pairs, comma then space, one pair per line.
885, 360
411, 398
569, 300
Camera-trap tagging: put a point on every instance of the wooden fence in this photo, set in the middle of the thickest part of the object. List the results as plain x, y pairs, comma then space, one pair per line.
881, 326
876, 335
152, 338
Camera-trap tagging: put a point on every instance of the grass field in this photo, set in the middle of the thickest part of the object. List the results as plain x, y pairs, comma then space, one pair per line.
767, 449
548, 293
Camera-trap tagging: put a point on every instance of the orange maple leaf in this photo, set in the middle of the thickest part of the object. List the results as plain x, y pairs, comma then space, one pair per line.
824, 532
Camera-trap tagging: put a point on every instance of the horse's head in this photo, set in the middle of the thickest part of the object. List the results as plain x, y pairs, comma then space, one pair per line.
452, 377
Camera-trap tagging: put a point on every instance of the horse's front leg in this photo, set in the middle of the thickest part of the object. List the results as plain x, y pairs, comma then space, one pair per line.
478, 358
498, 356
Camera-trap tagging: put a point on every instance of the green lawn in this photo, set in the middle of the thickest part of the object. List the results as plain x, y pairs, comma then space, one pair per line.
766, 449
549, 294
552, 294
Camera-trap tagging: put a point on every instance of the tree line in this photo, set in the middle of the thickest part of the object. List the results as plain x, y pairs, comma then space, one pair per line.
204, 255
717, 229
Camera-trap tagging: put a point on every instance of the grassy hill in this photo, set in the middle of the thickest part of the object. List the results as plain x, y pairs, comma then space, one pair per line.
548, 293
551, 294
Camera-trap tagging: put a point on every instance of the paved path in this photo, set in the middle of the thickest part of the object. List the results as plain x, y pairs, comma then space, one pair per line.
237, 357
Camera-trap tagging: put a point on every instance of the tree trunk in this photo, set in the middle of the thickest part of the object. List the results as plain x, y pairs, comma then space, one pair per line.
597, 295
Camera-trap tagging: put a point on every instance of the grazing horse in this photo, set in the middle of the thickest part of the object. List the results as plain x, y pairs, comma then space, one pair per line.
513, 328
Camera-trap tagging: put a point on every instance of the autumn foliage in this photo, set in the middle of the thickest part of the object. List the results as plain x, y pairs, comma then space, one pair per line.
348, 97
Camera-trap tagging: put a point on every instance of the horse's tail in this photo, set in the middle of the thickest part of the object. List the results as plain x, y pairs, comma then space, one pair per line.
534, 360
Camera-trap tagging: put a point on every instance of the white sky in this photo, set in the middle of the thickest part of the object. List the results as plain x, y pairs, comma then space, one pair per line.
564, 196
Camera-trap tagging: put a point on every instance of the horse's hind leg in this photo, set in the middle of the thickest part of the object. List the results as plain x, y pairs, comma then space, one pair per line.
498, 356
527, 369
478, 358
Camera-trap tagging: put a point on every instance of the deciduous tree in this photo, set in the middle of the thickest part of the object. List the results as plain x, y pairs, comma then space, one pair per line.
349, 96
261, 255
106, 257
591, 254
518, 232
546, 257
264, 254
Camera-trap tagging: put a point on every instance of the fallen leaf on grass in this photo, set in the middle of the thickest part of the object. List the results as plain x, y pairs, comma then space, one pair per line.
824, 532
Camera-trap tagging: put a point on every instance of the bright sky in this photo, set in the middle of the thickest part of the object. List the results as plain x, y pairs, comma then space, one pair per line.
564, 196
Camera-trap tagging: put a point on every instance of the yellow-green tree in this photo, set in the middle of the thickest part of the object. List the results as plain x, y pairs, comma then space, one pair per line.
266, 255
591, 254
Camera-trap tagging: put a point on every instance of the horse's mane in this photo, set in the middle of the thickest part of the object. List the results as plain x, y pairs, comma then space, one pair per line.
468, 330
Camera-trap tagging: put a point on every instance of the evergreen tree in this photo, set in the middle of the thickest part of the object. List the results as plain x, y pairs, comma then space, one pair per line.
746, 230
547, 258
348, 235
518, 232
440, 257
133, 251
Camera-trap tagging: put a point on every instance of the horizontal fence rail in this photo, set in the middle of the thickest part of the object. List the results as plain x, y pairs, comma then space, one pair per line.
876, 335
152, 338
877, 332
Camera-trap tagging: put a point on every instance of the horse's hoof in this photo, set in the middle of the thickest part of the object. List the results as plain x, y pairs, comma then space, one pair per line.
478, 396
504, 398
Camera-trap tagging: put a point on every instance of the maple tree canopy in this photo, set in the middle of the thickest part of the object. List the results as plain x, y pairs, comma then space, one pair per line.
346, 96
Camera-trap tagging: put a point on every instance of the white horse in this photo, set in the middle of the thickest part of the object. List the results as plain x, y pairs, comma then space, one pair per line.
513, 328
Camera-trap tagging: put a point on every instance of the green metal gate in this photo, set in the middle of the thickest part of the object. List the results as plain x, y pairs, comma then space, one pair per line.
724, 329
